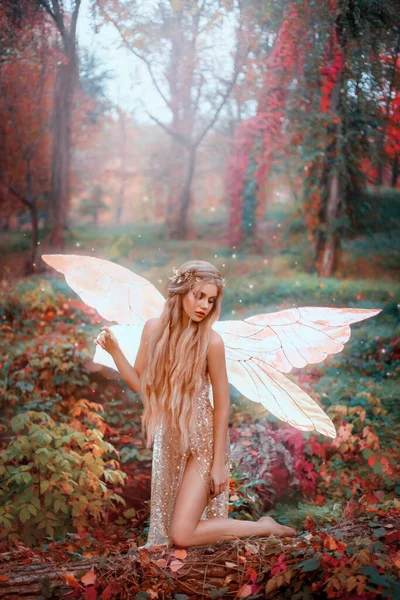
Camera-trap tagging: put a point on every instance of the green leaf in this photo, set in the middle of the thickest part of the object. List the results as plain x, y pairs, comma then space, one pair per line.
375, 577
24, 515
309, 565
32, 509
377, 533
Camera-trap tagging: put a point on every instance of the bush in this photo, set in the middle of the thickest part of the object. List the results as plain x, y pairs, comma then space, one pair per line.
374, 210
53, 476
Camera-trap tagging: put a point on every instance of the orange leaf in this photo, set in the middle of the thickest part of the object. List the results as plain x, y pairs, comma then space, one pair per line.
180, 554
89, 578
3, 578
162, 562
244, 591
70, 580
371, 460
330, 543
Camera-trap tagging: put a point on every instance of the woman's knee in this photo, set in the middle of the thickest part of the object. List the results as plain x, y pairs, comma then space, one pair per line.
180, 536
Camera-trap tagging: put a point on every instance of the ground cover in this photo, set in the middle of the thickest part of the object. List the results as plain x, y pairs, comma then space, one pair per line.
75, 473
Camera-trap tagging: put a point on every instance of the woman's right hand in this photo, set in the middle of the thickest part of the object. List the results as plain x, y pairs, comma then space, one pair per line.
107, 340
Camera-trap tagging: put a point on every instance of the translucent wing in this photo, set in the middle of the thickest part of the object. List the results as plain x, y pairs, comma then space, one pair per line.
260, 348
128, 337
116, 293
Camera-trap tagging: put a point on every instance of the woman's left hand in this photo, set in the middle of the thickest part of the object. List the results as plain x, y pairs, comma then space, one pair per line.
219, 479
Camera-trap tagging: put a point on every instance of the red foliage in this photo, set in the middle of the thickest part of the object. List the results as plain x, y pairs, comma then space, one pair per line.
267, 125
330, 71
26, 103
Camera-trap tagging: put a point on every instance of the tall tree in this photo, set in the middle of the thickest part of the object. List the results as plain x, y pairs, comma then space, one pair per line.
323, 92
27, 79
258, 139
65, 85
351, 35
174, 41
390, 64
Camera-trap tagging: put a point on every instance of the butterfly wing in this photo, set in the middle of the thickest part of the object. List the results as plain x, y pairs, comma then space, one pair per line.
261, 348
116, 293
128, 337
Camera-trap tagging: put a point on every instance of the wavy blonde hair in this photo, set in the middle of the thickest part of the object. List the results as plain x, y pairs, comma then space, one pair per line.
171, 379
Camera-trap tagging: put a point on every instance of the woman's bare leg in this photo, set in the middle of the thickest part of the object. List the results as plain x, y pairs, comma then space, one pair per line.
188, 530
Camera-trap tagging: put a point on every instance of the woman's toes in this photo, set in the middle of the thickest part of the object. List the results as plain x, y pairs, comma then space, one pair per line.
272, 527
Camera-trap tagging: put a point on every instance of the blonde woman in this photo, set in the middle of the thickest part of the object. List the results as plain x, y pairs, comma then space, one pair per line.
179, 357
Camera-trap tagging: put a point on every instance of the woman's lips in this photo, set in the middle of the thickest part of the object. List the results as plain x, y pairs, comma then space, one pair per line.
198, 312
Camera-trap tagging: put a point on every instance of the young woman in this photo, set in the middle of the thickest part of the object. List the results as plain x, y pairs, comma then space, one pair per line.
179, 356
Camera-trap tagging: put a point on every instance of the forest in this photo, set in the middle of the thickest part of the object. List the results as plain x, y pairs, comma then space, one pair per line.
262, 136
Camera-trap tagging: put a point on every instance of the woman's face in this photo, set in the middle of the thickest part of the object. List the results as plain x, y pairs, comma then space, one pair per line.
196, 302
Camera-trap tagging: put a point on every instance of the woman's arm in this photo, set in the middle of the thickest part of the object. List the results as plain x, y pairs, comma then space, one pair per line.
127, 372
131, 375
220, 387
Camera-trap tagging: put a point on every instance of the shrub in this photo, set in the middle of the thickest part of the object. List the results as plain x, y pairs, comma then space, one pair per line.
54, 477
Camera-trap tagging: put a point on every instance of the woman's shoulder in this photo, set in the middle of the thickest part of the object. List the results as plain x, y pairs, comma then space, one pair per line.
150, 326
152, 322
215, 340
215, 337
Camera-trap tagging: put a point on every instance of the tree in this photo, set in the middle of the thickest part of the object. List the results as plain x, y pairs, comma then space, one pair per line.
323, 97
258, 139
27, 77
390, 66
345, 127
173, 40
65, 86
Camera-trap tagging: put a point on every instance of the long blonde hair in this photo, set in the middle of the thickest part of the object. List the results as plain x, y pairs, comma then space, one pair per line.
171, 379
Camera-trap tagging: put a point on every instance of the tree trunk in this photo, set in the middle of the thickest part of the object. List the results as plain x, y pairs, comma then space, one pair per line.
186, 195
121, 194
63, 103
328, 242
395, 171
176, 167
382, 138
32, 265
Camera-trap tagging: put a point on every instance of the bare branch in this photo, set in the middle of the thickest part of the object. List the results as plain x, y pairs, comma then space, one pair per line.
223, 100
181, 139
16, 193
75, 19
138, 55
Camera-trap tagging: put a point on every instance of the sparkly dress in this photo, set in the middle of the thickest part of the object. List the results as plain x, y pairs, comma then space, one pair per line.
169, 465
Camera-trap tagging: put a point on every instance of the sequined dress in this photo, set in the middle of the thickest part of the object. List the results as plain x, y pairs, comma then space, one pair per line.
169, 464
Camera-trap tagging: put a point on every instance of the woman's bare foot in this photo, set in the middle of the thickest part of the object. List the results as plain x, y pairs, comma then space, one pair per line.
268, 526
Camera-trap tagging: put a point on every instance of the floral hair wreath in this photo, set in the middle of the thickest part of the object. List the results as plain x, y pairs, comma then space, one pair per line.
179, 277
